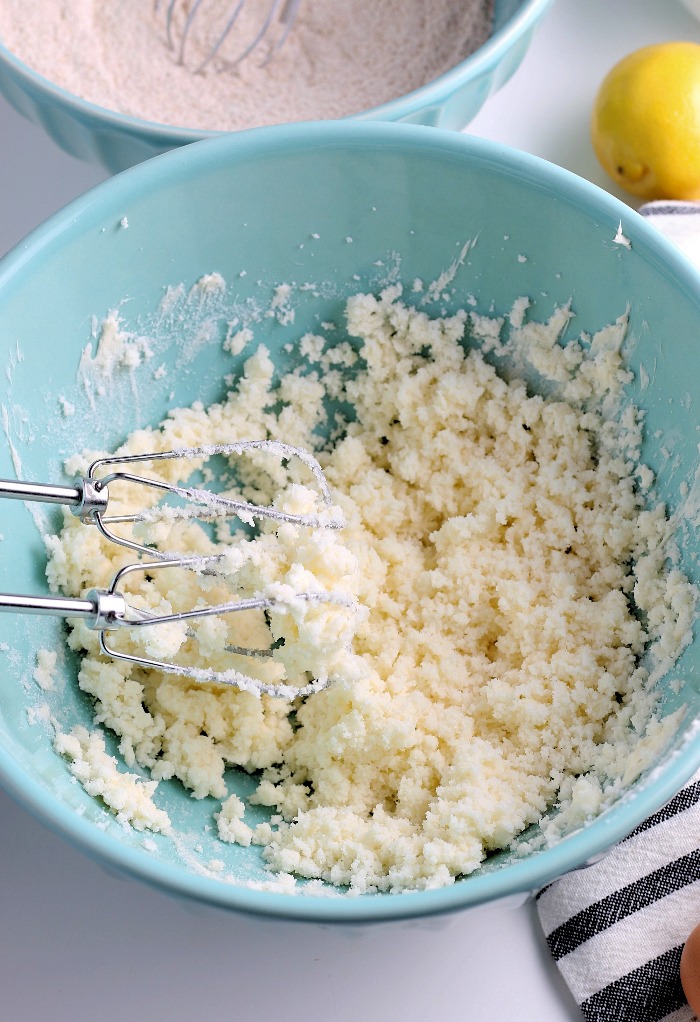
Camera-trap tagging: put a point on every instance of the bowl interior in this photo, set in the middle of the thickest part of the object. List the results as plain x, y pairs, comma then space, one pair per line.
329, 210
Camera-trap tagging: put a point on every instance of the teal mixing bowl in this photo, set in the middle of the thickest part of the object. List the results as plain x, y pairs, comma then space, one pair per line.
330, 208
118, 141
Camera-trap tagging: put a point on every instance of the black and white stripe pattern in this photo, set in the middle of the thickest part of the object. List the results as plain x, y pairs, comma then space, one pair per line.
668, 207
679, 221
616, 929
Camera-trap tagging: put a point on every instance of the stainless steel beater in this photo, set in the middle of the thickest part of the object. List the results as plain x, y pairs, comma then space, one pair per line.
107, 610
182, 18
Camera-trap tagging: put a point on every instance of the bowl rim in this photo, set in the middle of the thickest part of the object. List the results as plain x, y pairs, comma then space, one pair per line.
431, 93
524, 875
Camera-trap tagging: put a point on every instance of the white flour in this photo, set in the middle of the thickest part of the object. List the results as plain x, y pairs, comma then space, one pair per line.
342, 57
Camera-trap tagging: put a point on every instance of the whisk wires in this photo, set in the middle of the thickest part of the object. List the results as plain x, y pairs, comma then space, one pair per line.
180, 31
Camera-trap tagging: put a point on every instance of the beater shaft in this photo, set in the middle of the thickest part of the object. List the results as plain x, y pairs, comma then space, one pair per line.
47, 493
55, 606
86, 497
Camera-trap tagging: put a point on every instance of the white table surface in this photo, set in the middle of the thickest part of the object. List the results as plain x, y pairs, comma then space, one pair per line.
77, 943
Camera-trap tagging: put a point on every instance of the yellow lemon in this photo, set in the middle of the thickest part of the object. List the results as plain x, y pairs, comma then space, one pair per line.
646, 122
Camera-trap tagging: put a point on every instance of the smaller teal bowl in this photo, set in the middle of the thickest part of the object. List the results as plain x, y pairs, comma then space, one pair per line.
277, 205
118, 141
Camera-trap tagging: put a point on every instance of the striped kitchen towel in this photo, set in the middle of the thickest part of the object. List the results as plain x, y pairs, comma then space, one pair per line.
616, 929
679, 221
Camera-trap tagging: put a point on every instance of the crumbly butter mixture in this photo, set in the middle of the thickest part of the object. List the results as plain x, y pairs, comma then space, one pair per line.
512, 566
127, 795
339, 59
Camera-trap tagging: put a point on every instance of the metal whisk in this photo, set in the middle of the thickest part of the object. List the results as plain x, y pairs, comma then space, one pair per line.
245, 28
107, 610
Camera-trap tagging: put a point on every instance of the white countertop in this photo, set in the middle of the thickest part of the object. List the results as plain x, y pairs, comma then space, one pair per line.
80, 944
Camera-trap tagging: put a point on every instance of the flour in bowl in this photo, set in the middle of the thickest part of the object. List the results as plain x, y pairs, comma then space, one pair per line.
340, 59
519, 601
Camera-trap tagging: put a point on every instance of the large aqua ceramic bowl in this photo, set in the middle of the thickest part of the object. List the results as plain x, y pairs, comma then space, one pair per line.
118, 141
329, 208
